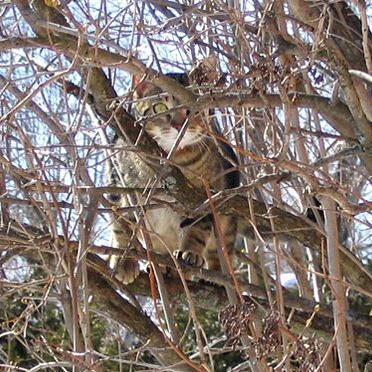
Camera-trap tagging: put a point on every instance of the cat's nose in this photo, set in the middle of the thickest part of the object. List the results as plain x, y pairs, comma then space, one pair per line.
178, 120
176, 124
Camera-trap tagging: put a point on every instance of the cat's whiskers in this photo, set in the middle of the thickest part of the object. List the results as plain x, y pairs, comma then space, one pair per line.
200, 141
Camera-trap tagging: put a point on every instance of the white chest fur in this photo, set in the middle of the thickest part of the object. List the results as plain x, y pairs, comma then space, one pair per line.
163, 225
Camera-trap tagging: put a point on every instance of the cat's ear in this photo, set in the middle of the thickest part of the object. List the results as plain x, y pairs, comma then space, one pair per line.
141, 86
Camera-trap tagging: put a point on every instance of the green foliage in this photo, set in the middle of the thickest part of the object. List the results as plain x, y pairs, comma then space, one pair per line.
30, 329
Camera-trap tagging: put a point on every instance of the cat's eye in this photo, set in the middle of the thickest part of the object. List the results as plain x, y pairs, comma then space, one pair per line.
160, 108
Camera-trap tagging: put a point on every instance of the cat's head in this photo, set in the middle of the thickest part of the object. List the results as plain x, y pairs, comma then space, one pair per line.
165, 116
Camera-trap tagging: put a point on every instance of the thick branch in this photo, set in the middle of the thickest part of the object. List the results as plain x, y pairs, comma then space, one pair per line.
130, 317
214, 298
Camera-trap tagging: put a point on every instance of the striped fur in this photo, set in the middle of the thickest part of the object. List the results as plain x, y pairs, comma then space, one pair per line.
198, 157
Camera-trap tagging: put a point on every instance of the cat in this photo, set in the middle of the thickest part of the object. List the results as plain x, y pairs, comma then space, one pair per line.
198, 156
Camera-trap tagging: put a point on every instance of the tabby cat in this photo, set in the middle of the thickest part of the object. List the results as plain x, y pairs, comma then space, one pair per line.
198, 156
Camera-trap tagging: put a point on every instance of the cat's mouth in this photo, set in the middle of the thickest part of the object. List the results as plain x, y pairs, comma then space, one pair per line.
167, 138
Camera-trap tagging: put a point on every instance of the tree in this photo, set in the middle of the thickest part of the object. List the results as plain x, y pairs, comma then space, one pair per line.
289, 84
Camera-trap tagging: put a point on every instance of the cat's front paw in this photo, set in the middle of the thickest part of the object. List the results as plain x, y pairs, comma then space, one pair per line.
189, 257
127, 271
